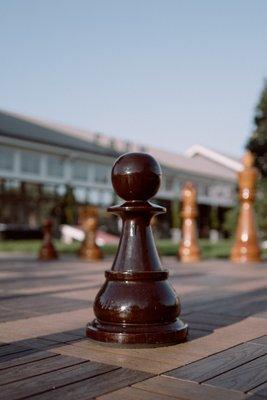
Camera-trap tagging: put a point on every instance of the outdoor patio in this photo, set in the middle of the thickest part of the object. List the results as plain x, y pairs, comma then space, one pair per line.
44, 354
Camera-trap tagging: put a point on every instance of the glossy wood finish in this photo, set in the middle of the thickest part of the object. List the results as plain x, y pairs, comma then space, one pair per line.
89, 249
189, 250
246, 247
136, 305
47, 251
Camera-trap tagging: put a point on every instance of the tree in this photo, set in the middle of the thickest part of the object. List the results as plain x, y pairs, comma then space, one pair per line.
257, 144
175, 213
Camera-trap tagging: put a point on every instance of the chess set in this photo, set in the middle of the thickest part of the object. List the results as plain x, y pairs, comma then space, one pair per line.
136, 306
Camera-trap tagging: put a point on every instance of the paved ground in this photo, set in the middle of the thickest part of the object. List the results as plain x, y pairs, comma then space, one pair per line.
44, 355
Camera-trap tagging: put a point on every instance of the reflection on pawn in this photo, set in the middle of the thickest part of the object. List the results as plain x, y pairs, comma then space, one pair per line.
47, 251
136, 305
246, 247
189, 249
89, 249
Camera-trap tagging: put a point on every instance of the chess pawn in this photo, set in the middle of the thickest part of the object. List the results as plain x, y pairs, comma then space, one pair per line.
189, 249
47, 251
246, 247
136, 305
89, 249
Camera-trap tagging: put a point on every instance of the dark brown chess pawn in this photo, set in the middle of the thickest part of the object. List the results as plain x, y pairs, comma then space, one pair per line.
136, 305
89, 249
189, 249
246, 247
47, 251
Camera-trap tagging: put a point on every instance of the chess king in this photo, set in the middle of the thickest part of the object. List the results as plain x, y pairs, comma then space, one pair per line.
136, 305
246, 247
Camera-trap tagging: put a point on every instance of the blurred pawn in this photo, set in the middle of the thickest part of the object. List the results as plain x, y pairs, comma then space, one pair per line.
89, 220
47, 251
189, 249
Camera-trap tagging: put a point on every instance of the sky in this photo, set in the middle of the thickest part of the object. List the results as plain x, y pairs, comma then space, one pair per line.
166, 73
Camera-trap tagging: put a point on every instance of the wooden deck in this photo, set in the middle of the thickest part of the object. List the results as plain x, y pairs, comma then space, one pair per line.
44, 355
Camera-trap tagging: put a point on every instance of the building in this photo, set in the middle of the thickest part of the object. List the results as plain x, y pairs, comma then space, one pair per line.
50, 169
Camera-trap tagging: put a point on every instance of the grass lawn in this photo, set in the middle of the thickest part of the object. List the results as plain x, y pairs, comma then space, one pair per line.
165, 248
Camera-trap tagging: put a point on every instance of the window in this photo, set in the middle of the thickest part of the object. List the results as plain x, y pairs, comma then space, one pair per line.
93, 196
6, 159
80, 194
55, 166
30, 162
80, 170
101, 173
105, 198
169, 183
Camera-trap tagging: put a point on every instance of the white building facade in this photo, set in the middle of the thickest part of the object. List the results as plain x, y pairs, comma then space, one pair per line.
46, 168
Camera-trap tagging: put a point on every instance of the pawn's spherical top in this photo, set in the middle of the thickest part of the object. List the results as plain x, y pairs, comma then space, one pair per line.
136, 176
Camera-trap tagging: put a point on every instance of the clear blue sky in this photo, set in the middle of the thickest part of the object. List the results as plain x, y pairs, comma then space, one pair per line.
165, 72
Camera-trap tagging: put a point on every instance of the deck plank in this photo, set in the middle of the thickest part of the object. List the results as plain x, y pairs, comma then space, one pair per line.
131, 393
39, 355
188, 390
37, 367
219, 363
52, 380
96, 386
245, 377
261, 390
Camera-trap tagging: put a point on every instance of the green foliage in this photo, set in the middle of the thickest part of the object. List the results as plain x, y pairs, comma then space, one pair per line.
261, 207
175, 213
230, 220
69, 206
257, 144
209, 250
214, 220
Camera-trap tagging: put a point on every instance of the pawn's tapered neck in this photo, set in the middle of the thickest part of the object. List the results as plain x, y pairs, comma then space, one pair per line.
137, 250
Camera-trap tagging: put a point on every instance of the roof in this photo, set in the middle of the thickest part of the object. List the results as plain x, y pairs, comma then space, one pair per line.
194, 166
20, 127
212, 164
230, 162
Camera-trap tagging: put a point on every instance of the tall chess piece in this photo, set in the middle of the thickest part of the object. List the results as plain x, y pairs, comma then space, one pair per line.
89, 249
246, 247
189, 249
47, 251
136, 305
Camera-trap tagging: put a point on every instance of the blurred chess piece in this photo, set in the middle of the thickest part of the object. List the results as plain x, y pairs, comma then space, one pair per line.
246, 247
189, 249
89, 220
47, 251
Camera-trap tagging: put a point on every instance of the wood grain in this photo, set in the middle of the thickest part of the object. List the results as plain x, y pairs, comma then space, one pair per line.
245, 377
189, 390
217, 364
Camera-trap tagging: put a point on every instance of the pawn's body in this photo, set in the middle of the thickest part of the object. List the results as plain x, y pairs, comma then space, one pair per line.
246, 247
47, 251
136, 305
89, 249
189, 250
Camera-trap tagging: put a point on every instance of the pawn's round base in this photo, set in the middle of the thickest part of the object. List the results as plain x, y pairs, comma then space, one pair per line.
150, 335
47, 254
91, 254
244, 254
189, 254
